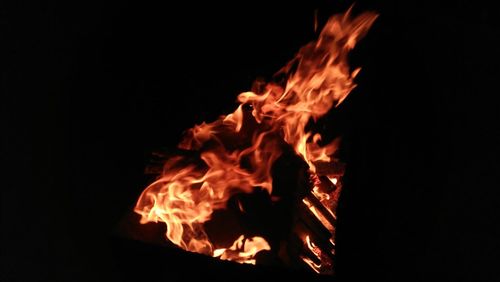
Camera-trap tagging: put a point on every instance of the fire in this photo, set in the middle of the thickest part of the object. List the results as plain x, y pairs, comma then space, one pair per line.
243, 250
236, 152
316, 254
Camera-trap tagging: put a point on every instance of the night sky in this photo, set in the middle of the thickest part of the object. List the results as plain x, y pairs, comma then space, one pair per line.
89, 90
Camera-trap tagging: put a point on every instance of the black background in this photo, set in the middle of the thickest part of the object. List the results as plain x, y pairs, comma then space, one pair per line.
90, 89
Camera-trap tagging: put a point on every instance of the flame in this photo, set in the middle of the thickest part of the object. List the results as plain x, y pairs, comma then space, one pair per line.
236, 152
318, 215
312, 247
243, 250
319, 194
316, 252
334, 180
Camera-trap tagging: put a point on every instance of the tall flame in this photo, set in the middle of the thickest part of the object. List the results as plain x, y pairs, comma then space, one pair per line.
236, 152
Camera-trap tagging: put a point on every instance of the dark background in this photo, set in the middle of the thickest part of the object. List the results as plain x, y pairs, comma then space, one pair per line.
90, 89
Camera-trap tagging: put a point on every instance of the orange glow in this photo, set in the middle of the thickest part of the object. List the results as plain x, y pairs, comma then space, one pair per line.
319, 215
320, 195
237, 151
312, 247
314, 266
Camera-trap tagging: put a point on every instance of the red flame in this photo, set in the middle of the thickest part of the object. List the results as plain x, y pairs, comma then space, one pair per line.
237, 151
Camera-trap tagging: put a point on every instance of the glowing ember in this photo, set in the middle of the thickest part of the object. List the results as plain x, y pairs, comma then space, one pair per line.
316, 254
236, 152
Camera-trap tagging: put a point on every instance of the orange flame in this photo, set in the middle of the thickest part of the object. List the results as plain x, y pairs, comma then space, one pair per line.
316, 253
236, 152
